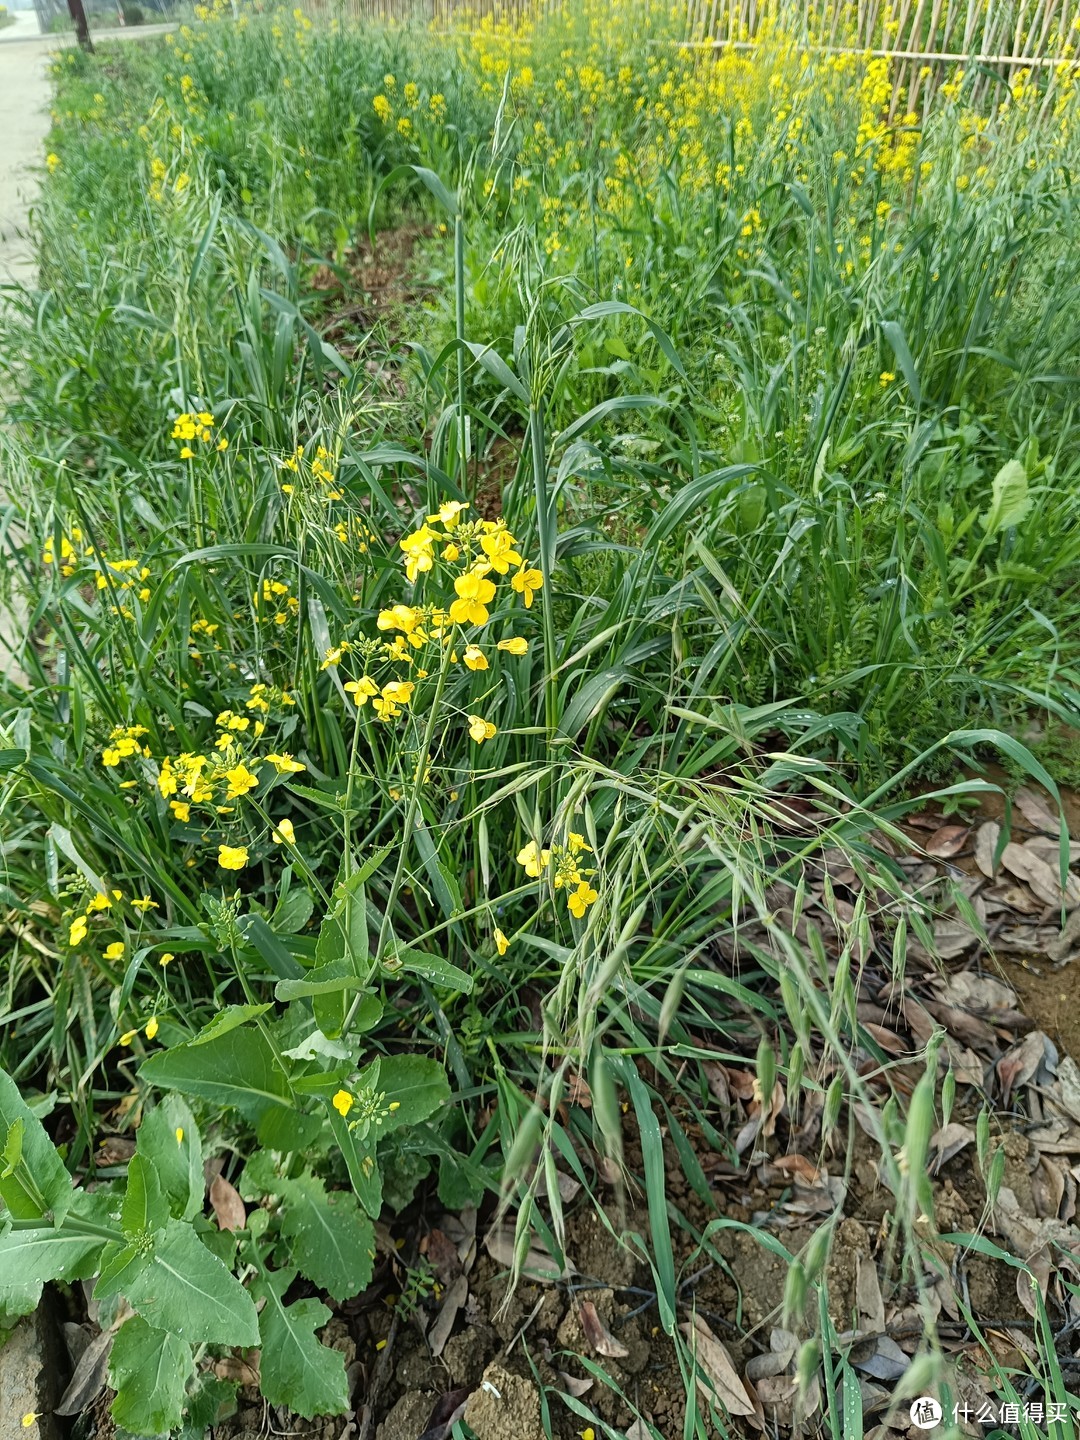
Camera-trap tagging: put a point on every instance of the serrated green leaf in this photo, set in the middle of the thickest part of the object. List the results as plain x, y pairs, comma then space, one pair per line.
38, 1183
182, 1288
297, 1369
1009, 501
149, 1370
145, 1208
238, 1070
178, 1162
231, 1018
329, 1238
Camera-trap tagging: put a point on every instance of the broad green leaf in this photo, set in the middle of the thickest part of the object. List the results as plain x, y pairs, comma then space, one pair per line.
231, 1018
16, 1301
297, 1369
32, 1257
38, 1183
237, 1070
208, 1402
430, 967
184, 1289
416, 1085
358, 1153
1010, 501
332, 978
170, 1138
149, 1370
280, 1129
329, 1238
145, 1208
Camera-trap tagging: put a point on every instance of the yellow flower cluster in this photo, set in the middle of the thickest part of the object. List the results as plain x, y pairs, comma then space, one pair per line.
470, 552
224, 773
273, 604
567, 872
187, 428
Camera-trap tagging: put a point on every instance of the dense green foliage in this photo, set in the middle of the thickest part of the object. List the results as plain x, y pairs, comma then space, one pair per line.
414, 680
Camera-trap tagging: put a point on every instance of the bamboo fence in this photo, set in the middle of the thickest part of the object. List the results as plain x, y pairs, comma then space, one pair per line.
926, 39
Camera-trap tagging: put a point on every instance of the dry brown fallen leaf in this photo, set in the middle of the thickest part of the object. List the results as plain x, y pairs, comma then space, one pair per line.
441, 1326
598, 1335
1017, 1066
1035, 811
1048, 1188
986, 839
226, 1204
242, 1367
947, 840
715, 1361
577, 1388
949, 1141
1028, 865
868, 1302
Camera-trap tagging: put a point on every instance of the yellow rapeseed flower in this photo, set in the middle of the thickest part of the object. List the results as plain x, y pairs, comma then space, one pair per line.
77, 933
514, 646
480, 729
343, 1102
580, 899
115, 951
474, 592
283, 832
232, 857
502, 944
285, 764
533, 859
526, 583
151, 1027
241, 780
475, 658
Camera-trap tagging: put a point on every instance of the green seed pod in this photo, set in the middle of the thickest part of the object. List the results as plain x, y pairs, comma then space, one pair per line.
798, 901
920, 1126
795, 1288
671, 1003
808, 1363
834, 1098
817, 1252
605, 1104
524, 1144
796, 1065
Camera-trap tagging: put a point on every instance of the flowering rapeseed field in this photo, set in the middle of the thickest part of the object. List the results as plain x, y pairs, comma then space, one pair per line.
421, 652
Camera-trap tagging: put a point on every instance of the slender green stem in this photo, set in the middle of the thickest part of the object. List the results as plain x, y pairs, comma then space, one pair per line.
459, 319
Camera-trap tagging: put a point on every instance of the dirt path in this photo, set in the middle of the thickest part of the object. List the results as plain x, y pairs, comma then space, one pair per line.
24, 124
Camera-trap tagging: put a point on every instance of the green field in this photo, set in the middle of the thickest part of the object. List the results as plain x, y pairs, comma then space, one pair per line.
507, 519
